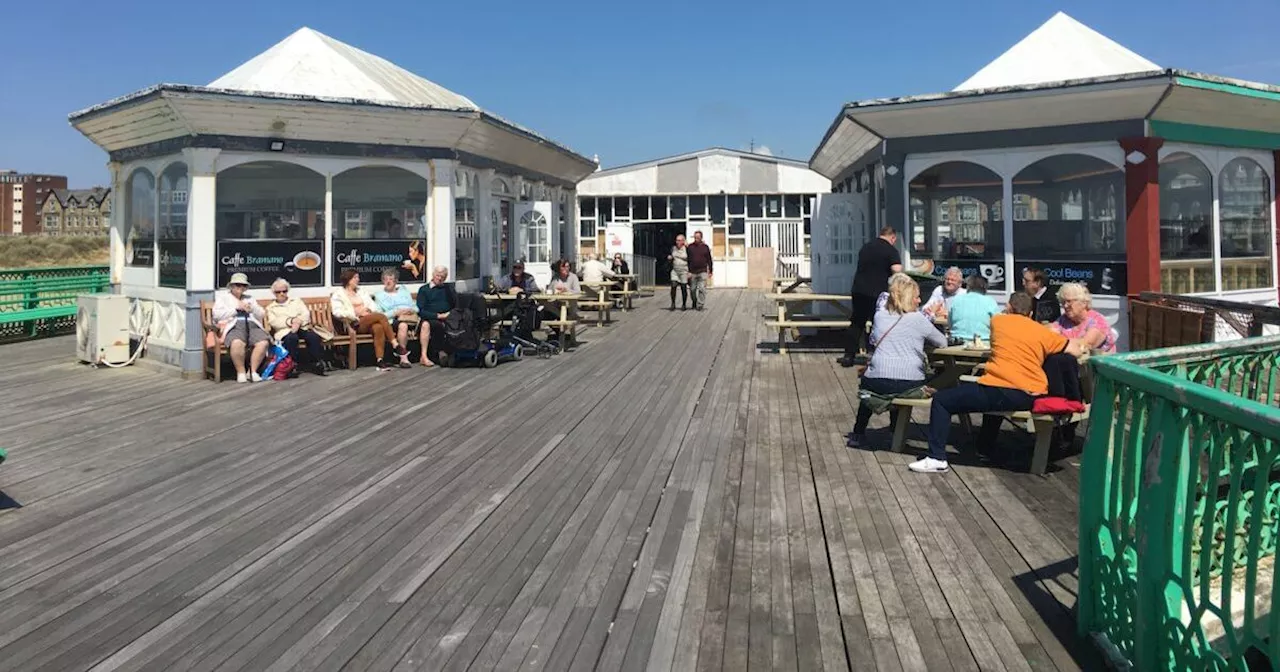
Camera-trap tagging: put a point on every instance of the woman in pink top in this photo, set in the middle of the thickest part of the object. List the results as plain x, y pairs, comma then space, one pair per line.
1080, 321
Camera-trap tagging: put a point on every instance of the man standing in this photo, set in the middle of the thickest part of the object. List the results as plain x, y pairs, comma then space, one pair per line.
877, 260
700, 270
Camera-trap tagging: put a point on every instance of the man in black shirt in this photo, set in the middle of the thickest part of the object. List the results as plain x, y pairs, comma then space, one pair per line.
1044, 304
877, 260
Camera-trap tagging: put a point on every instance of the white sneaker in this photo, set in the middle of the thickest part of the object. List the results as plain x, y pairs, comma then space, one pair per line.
242, 378
256, 378
929, 466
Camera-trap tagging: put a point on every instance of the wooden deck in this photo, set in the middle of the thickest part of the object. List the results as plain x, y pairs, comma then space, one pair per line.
668, 497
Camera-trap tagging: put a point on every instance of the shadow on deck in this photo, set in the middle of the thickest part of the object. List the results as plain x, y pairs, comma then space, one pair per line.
666, 497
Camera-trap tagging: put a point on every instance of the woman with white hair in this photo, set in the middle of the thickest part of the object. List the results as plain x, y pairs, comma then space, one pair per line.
1080, 321
239, 321
289, 320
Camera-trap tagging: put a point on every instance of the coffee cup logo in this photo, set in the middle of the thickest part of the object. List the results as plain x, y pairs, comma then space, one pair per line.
304, 261
992, 273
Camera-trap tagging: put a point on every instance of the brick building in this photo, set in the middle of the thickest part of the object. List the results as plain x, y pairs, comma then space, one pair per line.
21, 195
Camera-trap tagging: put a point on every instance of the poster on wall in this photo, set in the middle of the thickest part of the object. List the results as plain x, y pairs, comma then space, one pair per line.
301, 262
618, 238
140, 252
992, 270
370, 257
173, 263
1100, 277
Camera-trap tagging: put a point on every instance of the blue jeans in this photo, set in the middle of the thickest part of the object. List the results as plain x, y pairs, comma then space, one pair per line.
971, 398
885, 386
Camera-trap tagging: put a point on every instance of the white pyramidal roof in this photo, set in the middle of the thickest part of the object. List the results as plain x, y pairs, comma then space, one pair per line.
310, 63
1061, 49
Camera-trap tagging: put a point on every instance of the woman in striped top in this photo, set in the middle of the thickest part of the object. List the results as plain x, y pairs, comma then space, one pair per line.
899, 334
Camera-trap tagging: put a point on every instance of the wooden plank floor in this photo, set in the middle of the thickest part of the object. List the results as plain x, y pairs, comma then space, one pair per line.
668, 497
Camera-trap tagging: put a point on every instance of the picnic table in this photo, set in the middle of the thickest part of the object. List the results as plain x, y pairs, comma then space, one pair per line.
796, 321
787, 285
602, 303
627, 291
566, 302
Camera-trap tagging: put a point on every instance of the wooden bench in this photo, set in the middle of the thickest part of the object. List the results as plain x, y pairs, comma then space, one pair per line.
321, 316
569, 326
796, 325
1040, 425
626, 295
603, 310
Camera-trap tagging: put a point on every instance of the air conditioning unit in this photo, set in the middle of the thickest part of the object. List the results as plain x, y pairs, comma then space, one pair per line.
102, 328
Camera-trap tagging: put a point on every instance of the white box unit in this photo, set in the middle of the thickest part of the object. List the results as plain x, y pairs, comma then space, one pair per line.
102, 328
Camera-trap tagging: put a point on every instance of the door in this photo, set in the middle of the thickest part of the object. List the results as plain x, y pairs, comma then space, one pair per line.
840, 228
533, 238
787, 241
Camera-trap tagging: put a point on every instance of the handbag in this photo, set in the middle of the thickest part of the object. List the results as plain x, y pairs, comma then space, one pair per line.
211, 340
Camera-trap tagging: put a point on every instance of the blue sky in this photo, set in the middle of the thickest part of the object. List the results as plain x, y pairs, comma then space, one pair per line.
628, 81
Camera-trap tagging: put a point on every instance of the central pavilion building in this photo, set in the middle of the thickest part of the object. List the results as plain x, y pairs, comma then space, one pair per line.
1072, 154
309, 159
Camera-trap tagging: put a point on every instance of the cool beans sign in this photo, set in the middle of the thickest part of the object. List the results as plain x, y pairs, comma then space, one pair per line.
1098, 277
301, 262
370, 257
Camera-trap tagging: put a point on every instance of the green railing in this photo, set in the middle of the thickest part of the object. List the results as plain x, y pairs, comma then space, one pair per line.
1180, 507
42, 301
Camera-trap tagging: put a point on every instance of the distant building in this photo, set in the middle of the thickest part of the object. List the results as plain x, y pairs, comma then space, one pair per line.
21, 195
76, 212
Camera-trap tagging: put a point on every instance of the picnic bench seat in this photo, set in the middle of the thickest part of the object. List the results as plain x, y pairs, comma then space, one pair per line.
603, 310
625, 296
571, 326
1040, 425
321, 316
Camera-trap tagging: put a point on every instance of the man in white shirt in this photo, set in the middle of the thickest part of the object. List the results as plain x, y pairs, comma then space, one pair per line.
939, 303
594, 270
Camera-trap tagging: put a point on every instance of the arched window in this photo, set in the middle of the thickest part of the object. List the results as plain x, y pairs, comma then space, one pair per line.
538, 237
173, 226
379, 214
1244, 203
1186, 225
1065, 220
140, 219
955, 219
270, 223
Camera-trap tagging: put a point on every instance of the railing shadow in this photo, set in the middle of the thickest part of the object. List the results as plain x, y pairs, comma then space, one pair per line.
7, 502
1059, 617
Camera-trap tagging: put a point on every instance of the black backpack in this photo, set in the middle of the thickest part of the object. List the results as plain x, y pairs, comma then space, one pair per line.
462, 327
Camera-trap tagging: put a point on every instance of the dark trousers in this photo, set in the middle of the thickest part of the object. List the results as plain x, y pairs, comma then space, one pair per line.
971, 398
864, 308
1063, 372
315, 345
885, 386
684, 293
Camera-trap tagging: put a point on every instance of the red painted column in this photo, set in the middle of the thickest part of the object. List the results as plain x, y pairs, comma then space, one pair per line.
1142, 212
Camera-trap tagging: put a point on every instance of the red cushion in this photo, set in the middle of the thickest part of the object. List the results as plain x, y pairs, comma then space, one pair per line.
1056, 406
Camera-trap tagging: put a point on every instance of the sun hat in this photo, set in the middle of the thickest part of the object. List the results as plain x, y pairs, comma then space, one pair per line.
238, 279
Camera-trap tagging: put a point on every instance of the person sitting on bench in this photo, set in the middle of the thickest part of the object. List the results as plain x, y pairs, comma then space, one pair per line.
1014, 377
898, 336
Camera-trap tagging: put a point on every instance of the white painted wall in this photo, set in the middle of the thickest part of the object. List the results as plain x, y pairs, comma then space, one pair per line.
719, 173
795, 180
631, 183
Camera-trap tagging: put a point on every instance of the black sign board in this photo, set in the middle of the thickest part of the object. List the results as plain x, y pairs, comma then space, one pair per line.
991, 269
301, 262
370, 257
173, 263
1107, 277
140, 252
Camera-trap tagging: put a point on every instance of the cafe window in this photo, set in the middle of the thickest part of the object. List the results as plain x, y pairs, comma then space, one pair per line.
270, 223
773, 206
466, 251
379, 203
1244, 202
140, 219
1186, 225
174, 186
737, 205
791, 207
587, 206
697, 206
537, 232
1069, 208
755, 206
955, 219
270, 200
621, 206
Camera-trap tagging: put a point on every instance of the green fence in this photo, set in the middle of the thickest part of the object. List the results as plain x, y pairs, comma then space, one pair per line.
1179, 506
42, 301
